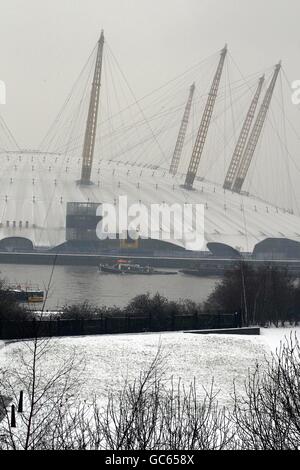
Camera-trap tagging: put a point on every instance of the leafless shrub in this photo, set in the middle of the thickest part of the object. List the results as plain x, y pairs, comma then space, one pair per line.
50, 400
149, 413
268, 416
152, 412
190, 423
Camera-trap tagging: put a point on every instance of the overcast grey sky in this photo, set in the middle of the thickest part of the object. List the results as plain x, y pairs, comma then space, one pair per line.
44, 44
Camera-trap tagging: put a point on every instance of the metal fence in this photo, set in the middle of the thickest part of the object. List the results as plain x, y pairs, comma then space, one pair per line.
114, 325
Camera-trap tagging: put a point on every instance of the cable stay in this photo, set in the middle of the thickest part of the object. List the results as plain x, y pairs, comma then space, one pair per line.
8, 139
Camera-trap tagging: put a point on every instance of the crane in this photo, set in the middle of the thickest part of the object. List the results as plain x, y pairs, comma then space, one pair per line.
182, 133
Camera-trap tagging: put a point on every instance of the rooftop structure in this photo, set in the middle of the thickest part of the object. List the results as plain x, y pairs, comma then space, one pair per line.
38, 185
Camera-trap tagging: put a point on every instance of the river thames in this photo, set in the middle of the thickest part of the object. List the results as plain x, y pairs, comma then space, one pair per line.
75, 284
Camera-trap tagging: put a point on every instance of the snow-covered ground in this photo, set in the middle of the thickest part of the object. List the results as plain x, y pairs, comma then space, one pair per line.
274, 336
108, 361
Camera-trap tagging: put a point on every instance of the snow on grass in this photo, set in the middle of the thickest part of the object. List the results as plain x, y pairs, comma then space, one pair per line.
274, 336
111, 360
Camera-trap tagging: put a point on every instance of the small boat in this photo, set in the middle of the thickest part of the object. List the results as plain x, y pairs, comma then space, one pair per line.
211, 269
27, 294
123, 267
202, 272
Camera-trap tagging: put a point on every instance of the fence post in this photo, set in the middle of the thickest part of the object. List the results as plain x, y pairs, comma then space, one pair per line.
195, 326
34, 325
173, 321
239, 317
129, 322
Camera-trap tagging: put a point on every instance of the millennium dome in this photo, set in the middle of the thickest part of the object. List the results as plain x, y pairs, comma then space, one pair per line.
38, 186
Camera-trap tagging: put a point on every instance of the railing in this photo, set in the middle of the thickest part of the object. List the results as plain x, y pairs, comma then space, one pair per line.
115, 325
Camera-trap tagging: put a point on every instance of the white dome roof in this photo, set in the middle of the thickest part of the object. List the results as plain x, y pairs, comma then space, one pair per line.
35, 189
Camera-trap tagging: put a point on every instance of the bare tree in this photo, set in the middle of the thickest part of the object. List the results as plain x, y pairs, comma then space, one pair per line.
50, 398
153, 413
268, 415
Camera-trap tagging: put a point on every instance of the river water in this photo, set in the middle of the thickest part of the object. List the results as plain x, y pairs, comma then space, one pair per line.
74, 284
